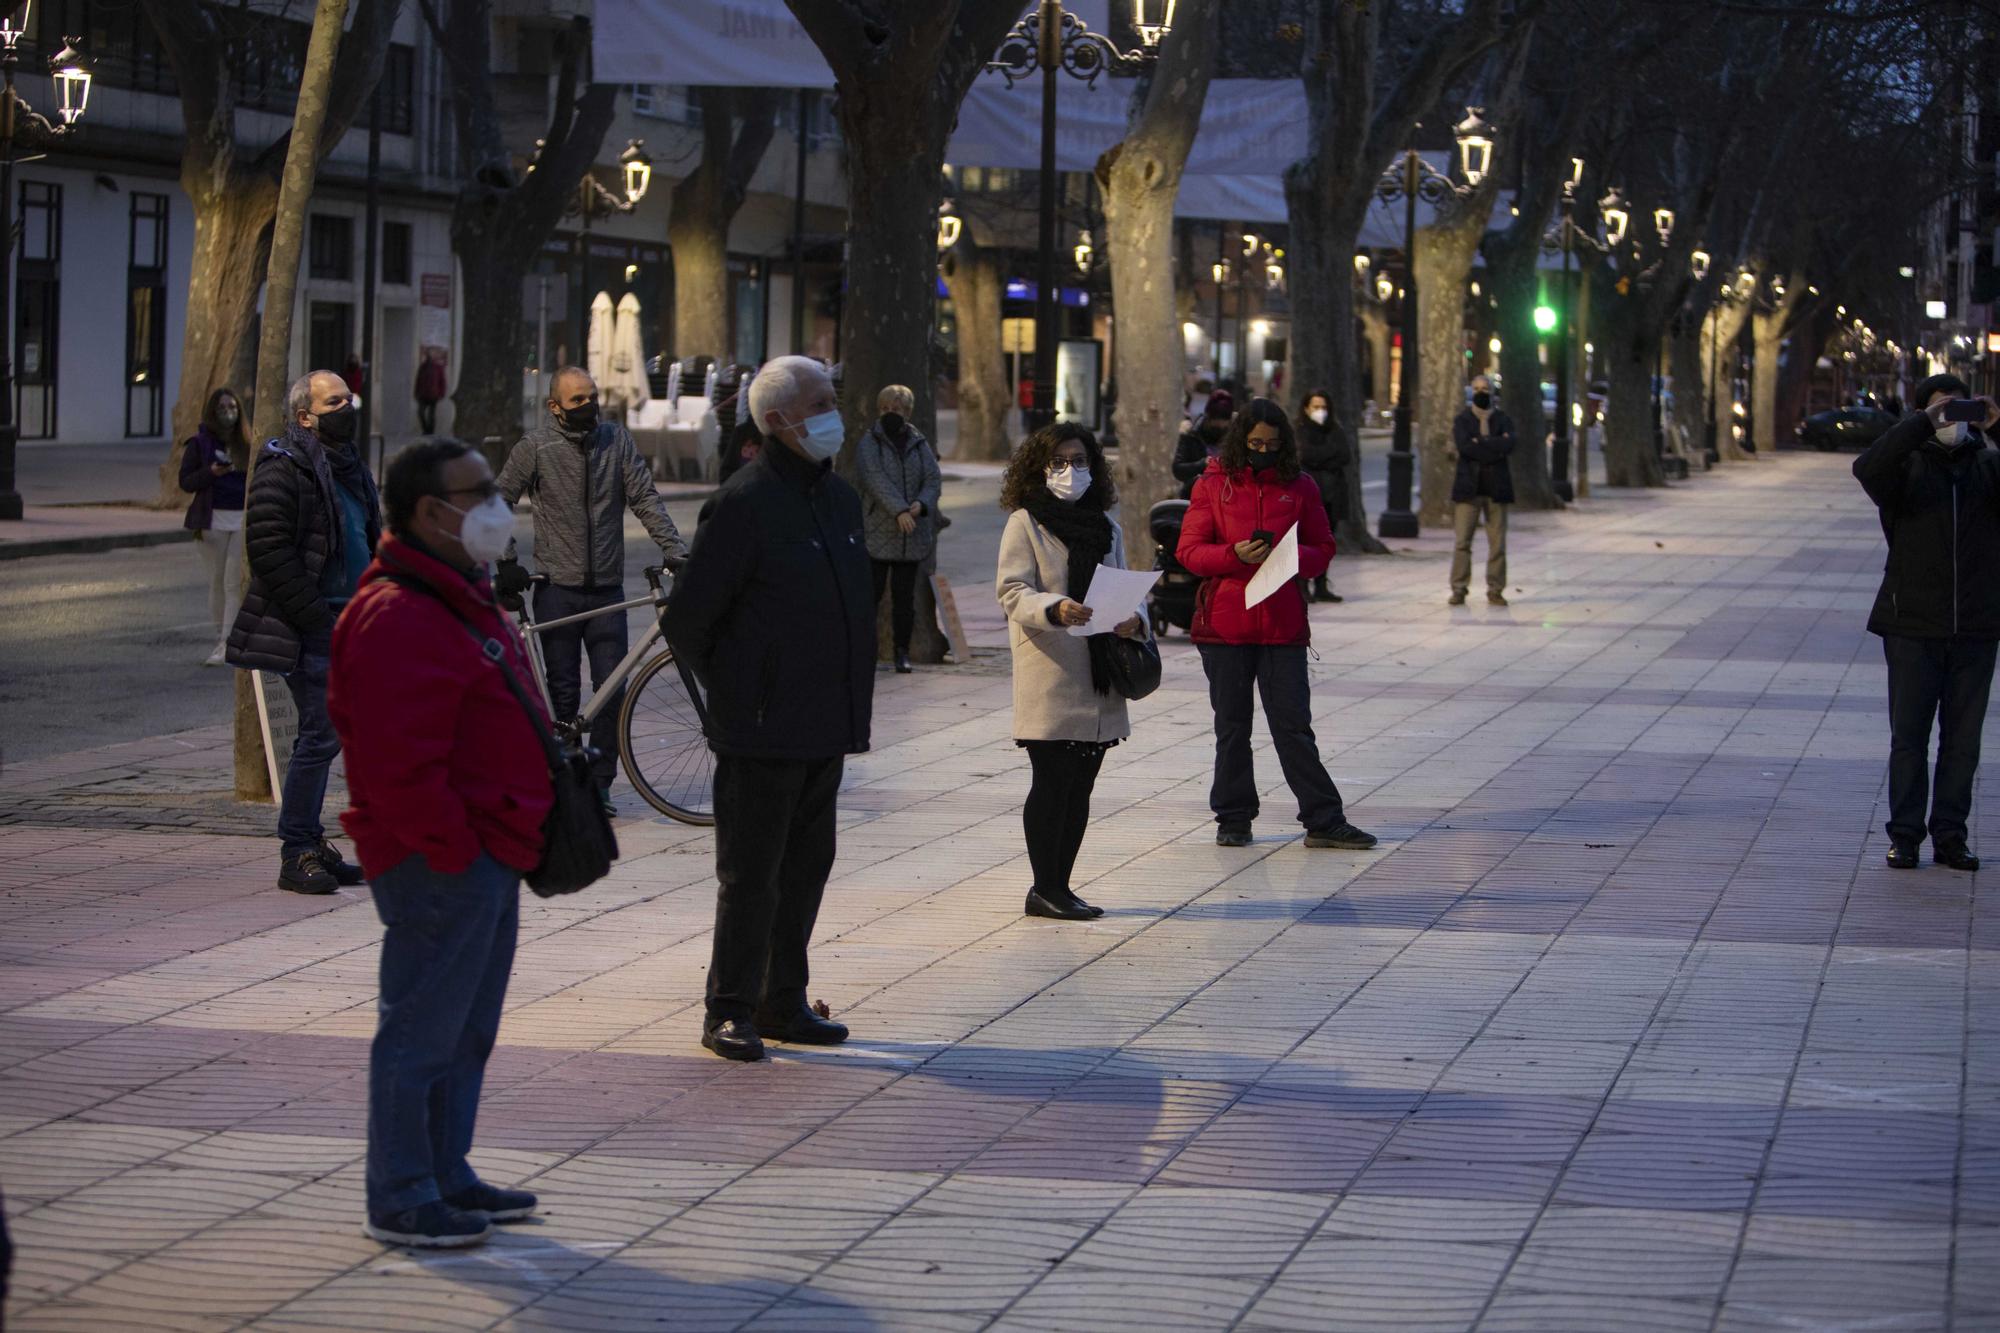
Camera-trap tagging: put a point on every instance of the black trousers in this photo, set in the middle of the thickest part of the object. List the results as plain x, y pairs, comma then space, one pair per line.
427, 417
1941, 682
900, 577
774, 844
1279, 675
1058, 809
605, 639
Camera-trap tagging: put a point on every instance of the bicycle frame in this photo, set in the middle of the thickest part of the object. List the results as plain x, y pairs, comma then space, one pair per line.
642, 650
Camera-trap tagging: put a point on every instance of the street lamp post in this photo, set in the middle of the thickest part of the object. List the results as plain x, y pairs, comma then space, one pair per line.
592, 197
1559, 446
1047, 40
71, 74
1407, 181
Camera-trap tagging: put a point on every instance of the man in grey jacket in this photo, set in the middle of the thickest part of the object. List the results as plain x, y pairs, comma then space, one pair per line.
583, 474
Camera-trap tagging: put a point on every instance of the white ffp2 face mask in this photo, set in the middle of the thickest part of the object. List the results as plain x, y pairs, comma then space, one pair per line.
822, 435
1067, 483
1318, 415
488, 527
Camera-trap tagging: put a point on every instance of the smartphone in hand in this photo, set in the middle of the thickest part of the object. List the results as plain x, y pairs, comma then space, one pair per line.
1965, 409
1263, 535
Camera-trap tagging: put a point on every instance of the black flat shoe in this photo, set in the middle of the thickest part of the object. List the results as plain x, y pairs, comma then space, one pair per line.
1074, 910
1954, 856
1231, 835
903, 667
1902, 856
1092, 908
734, 1039
804, 1028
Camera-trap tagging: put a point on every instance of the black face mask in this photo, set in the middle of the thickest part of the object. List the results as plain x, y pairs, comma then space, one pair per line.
339, 427
893, 423
1262, 461
583, 419
1482, 401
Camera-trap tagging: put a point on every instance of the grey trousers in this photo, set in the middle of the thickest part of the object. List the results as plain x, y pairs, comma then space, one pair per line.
1465, 515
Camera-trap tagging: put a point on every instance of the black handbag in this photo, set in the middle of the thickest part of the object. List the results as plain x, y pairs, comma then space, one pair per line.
1134, 667
578, 842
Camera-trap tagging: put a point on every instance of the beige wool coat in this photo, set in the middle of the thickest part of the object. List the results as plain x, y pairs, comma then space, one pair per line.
1053, 699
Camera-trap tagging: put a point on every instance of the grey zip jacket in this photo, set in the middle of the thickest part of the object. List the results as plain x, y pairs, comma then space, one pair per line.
581, 486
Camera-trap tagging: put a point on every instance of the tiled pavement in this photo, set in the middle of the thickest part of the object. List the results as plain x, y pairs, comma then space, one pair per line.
1623, 1026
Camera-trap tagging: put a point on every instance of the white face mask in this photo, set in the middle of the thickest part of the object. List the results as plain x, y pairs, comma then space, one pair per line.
1953, 433
822, 435
1318, 415
488, 527
1068, 482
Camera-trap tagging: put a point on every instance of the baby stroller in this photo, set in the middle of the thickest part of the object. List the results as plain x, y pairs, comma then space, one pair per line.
1173, 596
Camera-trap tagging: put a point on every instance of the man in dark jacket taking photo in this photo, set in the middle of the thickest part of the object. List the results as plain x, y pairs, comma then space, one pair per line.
1937, 485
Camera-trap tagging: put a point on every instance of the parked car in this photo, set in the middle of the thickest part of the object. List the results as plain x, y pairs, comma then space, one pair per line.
1844, 428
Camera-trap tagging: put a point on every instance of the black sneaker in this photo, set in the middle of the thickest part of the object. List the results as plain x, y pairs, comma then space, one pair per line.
498, 1204
1233, 835
429, 1226
1342, 835
306, 873
345, 873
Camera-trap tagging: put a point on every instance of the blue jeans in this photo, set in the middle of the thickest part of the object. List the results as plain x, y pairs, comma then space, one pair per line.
606, 640
304, 795
1279, 675
447, 949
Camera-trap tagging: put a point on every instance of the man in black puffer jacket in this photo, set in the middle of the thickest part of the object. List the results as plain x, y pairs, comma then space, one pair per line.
310, 526
1938, 612
775, 615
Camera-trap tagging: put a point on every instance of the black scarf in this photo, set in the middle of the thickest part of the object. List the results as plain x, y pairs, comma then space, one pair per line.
1087, 535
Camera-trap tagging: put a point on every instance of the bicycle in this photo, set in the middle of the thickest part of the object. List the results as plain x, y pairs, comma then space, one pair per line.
662, 724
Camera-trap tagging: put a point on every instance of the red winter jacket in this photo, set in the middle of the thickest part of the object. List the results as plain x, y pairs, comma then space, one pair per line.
441, 759
1225, 509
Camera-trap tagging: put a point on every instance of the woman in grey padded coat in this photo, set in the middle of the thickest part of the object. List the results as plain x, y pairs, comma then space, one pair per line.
897, 473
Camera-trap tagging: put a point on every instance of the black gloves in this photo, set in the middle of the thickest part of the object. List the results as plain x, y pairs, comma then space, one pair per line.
510, 580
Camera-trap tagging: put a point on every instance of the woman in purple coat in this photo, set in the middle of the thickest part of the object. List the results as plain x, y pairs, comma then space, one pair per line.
214, 467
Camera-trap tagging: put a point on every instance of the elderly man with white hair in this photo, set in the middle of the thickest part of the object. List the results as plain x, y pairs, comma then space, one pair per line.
773, 613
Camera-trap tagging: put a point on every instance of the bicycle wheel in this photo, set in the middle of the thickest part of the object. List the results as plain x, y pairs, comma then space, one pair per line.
660, 739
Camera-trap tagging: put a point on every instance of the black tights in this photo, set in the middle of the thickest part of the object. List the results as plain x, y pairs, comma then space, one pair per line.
1058, 809
903, 603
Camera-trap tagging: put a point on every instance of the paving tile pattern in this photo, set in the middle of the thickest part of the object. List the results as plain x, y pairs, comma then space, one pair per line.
1623, 1026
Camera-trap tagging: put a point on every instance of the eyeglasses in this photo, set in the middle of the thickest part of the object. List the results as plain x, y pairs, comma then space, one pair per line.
486, 490
1058, 464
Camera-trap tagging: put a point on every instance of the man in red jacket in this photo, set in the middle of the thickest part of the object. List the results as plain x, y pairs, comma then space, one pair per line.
450, 786
1252, 495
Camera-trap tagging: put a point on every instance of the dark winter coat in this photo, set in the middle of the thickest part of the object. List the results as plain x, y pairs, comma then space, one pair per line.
1941, 513
210, 492
1191, 455
892, 475
291, 530
775, 613
1323, 455
1483, 470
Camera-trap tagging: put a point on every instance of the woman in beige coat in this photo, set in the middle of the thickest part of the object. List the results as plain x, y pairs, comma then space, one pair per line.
1065, 713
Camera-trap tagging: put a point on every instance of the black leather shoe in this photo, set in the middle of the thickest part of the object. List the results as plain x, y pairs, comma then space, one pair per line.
804, 1028
734, 1039
1954, 856
903, 667
345, 873
1073, 910
1233, 835
1902, 855
1092, 908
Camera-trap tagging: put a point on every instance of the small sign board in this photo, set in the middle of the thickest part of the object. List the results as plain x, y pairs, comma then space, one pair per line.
954, 628
278, 719
437, 290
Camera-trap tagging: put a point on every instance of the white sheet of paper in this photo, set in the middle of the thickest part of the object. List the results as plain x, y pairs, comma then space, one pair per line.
1115, 597
1279, 568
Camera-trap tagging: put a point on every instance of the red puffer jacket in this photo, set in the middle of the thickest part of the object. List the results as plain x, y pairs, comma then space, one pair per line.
1226, 509
441, 759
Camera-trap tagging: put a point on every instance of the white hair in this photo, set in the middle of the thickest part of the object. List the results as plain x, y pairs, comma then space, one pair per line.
776, 386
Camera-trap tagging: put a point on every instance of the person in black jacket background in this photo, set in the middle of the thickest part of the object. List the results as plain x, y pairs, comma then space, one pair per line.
775, 615
1482, 438
310, 528
1202, 440
1323, 457
1937, 485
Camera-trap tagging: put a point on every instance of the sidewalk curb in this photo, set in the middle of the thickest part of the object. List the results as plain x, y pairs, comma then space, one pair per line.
106, 541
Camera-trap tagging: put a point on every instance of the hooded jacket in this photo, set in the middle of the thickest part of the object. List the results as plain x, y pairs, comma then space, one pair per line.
291, 531
442, 761
582, 482
1940, 510
1227, 507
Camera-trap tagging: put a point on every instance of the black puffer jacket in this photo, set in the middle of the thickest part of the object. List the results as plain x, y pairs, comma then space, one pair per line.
291, 528
1323, 456
1941, 513
1483, 469
775, 613
1191, 457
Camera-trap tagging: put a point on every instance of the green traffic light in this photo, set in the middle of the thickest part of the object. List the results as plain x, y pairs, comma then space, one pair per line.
1545, 318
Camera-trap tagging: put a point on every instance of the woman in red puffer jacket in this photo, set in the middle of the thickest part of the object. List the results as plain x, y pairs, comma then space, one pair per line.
1250, 497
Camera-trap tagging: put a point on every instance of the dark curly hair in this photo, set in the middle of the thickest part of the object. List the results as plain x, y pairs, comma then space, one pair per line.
1235, 452
1028, 471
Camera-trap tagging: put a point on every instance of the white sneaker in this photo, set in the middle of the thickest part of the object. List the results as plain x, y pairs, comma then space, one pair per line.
218, 657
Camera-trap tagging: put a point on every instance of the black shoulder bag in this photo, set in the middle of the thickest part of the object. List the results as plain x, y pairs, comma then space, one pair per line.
578, 843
